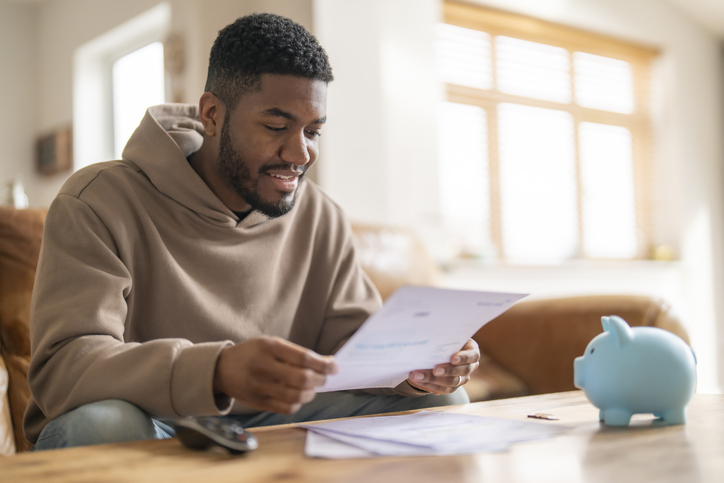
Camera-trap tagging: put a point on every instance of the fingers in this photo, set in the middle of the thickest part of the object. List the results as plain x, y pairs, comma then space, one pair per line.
282, 399
449, 370
281, 388
271, 374
428, 378
277, 406
469, 354
290, 376
446, 378
296, 355
438, 385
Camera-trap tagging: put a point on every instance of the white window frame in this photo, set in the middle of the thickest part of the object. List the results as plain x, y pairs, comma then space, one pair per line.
93, 86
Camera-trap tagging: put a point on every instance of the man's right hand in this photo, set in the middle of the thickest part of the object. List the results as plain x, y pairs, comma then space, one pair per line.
271, 374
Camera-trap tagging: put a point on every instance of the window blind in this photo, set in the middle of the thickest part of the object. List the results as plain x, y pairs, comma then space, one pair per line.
533, 69
542, 139
463, 56
603, 83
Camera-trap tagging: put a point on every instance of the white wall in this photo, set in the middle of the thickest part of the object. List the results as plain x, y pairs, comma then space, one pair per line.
63, 26
719, 286
378, 153
18, 74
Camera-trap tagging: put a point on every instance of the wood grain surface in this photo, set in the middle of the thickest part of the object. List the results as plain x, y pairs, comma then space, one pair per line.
647, 451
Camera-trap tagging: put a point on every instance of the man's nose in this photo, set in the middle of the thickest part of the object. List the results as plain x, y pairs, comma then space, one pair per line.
296, 150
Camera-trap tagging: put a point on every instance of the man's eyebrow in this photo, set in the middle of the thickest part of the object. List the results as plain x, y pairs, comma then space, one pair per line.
276, 112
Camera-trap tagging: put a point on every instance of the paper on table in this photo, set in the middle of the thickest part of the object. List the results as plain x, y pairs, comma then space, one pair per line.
320, 446
417, 328
424, 433
329, 445
440, 431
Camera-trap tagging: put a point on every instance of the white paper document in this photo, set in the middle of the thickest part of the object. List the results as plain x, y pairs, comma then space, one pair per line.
422, 433
318, 445
417, 328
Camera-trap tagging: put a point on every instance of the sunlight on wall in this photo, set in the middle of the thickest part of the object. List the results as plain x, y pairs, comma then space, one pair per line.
138, 83
700, 282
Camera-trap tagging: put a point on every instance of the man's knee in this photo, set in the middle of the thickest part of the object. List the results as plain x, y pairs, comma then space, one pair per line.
432, 400
460, 396
364, 404
108, 421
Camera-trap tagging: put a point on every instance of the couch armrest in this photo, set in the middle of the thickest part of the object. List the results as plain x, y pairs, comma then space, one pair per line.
7, 436
20, 236
537, 340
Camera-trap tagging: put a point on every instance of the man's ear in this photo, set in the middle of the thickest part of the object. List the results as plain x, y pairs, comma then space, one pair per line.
211, 113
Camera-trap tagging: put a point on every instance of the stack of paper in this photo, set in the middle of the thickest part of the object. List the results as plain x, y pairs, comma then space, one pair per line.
422, 433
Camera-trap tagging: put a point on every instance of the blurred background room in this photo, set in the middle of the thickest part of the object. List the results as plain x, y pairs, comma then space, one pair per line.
553, 147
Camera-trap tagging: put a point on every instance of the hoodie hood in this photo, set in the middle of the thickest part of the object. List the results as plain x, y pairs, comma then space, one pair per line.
160, 146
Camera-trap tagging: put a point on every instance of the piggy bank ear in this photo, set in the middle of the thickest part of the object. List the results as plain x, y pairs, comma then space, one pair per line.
619, 328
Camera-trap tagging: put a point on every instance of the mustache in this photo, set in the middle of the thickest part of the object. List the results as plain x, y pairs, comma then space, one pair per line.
297, 170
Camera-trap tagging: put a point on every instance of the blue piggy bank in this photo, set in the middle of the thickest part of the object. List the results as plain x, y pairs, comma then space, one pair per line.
626, 371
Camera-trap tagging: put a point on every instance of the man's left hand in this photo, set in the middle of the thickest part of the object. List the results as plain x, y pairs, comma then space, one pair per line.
446, 378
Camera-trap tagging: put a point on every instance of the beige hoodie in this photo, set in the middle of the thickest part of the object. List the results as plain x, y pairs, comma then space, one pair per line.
145, 275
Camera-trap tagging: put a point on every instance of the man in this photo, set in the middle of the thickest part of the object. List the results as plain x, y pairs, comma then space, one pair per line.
200, 275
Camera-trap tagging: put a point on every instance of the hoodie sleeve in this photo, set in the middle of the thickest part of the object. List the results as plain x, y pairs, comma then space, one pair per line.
78, 320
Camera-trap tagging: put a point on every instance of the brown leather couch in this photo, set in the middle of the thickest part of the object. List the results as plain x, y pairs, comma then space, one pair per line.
527, 350
20, 235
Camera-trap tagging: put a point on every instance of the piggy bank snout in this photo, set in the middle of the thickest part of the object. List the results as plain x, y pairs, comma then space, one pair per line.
578, 364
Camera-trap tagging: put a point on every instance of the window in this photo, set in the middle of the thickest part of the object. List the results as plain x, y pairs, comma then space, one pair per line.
543, 139
116, 76
138, 83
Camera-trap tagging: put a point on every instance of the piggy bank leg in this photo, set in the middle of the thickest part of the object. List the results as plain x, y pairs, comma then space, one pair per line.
602, 415
674, 416
616, 417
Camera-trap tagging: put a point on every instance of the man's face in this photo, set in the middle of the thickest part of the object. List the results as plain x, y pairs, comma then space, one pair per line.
270, 140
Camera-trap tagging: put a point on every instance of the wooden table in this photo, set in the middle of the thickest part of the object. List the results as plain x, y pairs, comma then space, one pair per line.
647, 451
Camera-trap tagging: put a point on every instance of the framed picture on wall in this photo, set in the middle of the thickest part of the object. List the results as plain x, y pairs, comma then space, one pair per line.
54, 152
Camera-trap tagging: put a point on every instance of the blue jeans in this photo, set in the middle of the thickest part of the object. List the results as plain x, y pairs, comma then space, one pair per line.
117, 421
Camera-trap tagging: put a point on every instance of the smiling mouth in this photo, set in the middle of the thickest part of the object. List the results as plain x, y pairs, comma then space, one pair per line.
285, 183
285, 178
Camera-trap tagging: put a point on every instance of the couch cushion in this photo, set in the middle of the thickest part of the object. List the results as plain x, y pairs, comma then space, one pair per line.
20, 234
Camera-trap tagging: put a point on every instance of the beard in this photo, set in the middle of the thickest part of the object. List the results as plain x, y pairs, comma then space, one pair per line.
236, 173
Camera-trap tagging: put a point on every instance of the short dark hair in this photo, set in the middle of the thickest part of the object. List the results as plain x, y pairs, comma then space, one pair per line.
262, 43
